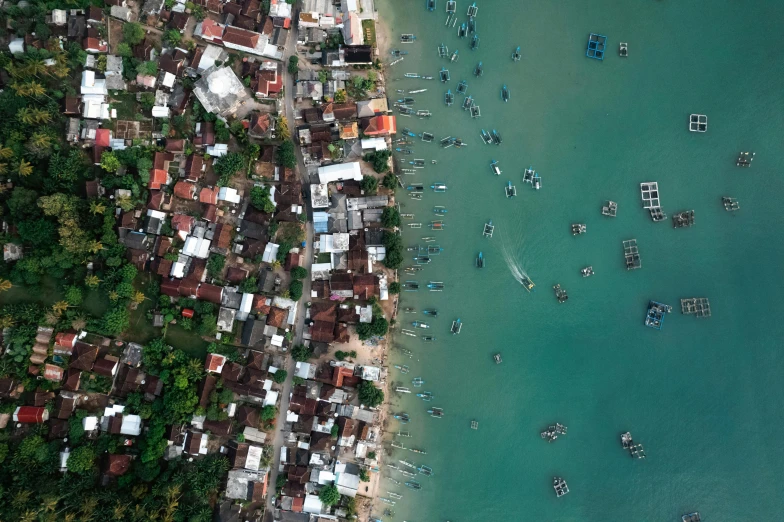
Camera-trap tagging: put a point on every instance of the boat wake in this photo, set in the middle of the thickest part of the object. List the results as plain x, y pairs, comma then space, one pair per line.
514, 264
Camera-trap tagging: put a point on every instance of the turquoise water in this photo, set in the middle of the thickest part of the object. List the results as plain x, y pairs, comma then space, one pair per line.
704, 396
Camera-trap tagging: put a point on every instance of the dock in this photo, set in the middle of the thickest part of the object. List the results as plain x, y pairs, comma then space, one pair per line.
596, 46
560, 487
560, 293
579, 228
696, 306
636, 451
649, 191
610, 209
654, 318
730, 204
745, 159
698, 123
683, 219
631, 254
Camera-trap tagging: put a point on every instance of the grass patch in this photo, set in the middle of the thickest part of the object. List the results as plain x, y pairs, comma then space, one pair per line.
369, 30
125, 104
324, 257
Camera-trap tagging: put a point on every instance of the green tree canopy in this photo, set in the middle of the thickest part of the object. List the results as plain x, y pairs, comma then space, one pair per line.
301, 353
109, 161
260, 199
280, 376
81, 459
390, 217
299, 272
286, 155
369, 395
133, 33
329, 495
369, 184
295, 290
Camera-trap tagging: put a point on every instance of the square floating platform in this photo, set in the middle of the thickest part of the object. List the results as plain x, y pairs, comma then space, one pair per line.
697, 306
698, 123
596, 46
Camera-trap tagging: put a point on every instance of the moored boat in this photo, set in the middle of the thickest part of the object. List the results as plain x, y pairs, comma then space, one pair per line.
439, 209
420, 324
480, 260
472, 9
475, 42
398, 52
451, 6
435, 286
462, 87
418, 381
505, 93
413, 484
425, 470
431, 312
457, 326
403, 368
462, 31
468, 102
496, 137
454, 56
516, 54
428, 338
436, 412
411, 75
511, 190
444, 75
443, 51
425, 396
479, 69
449, 98
430, 5
407, 38
487, 138
402, 417
438, 187
494, 163
471, 25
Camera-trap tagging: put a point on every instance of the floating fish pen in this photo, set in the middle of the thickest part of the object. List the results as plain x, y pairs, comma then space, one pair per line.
692, 517
449, 98
472, 9
430, 4
436, 412
696, 306
730, 204
444, 75
494, 166
698, 123
462, 31
457, 326
631, 254
497, 358
443, 51
474, 42
596, 45
510, 190
516, 54
475, 112
474, 425
655, 316
479, 70
552, 432
560, 293
407, 38
683, 219
578, 228
649, 192
462, 87
468, 103
745, 159
560, 487
623, 50
610, 209
423, 113
489, 229
587, 271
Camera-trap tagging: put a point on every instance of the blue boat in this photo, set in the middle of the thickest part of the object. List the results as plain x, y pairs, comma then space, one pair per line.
435, 286
516, 54
496, 137
457, 325
431, 5
475, 42
462, 87
438, 187
451, 6
462, 31
505, 93
472, 9
432, 313
479, 70
486, 138
402, 417
449, 98
471, 25
480, 260
398, 52
511, 190
439, 210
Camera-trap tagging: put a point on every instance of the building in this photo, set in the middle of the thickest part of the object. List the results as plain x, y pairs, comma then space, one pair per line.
380, 126
340, 172
220, 91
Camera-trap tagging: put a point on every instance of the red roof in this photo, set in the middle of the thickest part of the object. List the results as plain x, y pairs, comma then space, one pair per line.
184, 189
31, 415
53, 373
209, 196
181, 222
210, 213
157, 178
211, 29
241, 37
210, 293
103, 137
93, 44
65, 340
339, 374
214, 362
381, 125
187, 312
297, 504
171, 287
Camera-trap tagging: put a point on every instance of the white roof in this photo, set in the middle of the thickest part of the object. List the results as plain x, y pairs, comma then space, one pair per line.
58, 17
228, 194
271, 398
371, 373
208, 57
325, 477
156, 214
245, 307
168, 80
277, 340
320, 271
301, 369
270, 253
89, 423
351, 5
64, 458
16, 46
131, 425
340, 172
253, 460
92, 85
319, 195
160, 112
218, 150
94, 107
374, 143
312, 504
197, 247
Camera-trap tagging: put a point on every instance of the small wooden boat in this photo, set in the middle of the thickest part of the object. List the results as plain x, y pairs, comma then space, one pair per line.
472, 9
439, 209
444, 74
462, 31
468, 102
494, 163
487, 138
443, 51
479, 69
430, 4
471, 25
449, 98
438, 187
454, 57
398, 52
407, 38
510, 190
462, 87
496, 137
475, 42
505, 93
431, 313
411, 75
516, 54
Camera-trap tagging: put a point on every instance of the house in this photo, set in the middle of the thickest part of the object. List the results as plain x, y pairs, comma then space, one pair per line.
30, 415
106, 366
94, 45
53, 373
309, 89
277, 317
340, 172
116, 465
210, 293
220, 91
260, 125
185, 190
246, 41
372, 107
268, 81
145, 50
247, 485
205, 58
352, 30
379, 126
358, 55
209, 30
173, 62
84, 356
194, 168
115, 422
195, 443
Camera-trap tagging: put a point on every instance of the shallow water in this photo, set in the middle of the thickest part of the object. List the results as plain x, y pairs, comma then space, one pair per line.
704, 396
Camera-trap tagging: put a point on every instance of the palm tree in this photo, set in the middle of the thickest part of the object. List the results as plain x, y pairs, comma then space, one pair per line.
95, 247
25, 115
275, 264
5, 284
35, 90
35, 67
51, 318
92, 281
59, 307
6, 152
79, 323
28, 516
42, 116
113, 296
24, 168
40, 140
96, 207
138, 297
6, 321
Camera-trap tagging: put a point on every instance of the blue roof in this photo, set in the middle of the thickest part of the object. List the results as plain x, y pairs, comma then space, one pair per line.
320, 222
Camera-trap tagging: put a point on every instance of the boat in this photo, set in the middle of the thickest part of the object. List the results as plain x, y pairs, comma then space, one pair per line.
560, 486
587, 271
480, 260
407, 464
411, 286
623, 50
404, 151
487, 139
406, 434
425, 470
422, 260
489, 229
429, 239
387, 501
444, 75
457, 325
435, 286
425, 77
471, 25
408, 132
443, 51
398, 52
475, 112
436, 412
434, 250
451, 6
425, 396
411, 75
406, 101
560, 294
511, 190
406, 473
447, 142
418, 162
516, 54
497, 358
420, 451
407, 38
527, 283
415, 186
427, 137
528, 175
449, 98
496, 137
459, 143
439, 209
428, 338
692, 517
537, 182
475, 42
393, 481
409, 310
402, 417
472, 9
454, 56
403, 368
432, 312
424, 113
462, 87
494, 163
468, 102
417, 91
438, 187
413, 484
419, 324
505, 93
418, 381
462, 31
396, 61
430, 4
396, 496
479, 69
413, 248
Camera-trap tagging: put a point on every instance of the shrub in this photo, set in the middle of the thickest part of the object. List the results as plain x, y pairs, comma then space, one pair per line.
369, 395
394, 288
298, 273
295, 290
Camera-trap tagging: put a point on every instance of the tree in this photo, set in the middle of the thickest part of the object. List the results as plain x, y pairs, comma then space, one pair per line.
394, 288
293, 62
282, 128
260, 199
329, 495
133, 33
394, 248
147, 68
323, 76
115, 320
301, 353
73, 294
81, 459
295, 290
147, 101
390, 217
124, 50
227, 166
299, 272
172, 37
215, 265
340, 96
286, 154
279, 376
364, 476
369, 184
5, 285
389, 181
268, 413
24, 168
109, 161
380, 161
334, 431
296, 381
369, 395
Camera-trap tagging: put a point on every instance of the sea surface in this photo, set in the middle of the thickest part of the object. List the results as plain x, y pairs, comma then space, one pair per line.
705, 396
